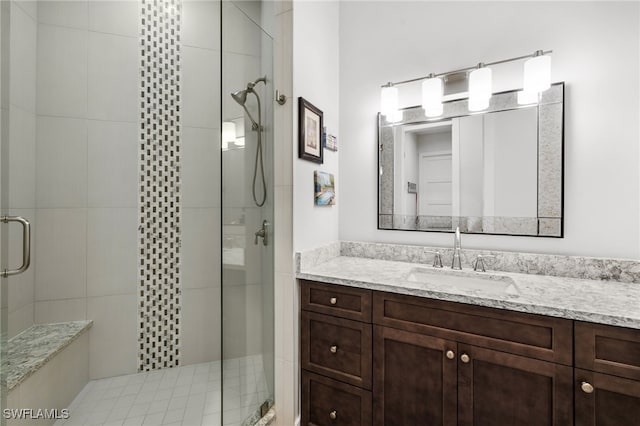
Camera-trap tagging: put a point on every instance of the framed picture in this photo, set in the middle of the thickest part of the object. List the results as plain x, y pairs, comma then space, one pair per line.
310, 127
324, 189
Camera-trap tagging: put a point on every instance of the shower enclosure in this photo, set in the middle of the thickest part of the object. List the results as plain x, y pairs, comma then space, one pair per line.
149, 193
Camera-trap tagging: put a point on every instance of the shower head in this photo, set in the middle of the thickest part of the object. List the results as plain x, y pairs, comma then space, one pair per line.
240, 96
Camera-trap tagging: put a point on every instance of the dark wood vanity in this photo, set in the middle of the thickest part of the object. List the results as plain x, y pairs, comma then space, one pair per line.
377, 358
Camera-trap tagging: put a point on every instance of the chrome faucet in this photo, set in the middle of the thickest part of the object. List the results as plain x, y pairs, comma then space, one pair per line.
455, 262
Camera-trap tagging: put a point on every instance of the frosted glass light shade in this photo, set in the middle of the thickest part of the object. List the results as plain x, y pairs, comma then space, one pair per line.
525, 98
480, 88
389, 102
432, 97
537, 74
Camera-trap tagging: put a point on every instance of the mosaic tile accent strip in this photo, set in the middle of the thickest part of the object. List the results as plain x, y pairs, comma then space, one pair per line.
159, 195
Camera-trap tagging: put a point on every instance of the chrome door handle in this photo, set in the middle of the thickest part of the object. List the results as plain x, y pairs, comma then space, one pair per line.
26, 245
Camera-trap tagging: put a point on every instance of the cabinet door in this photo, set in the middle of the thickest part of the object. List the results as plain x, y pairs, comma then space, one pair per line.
605, 400
414, 381
501, 389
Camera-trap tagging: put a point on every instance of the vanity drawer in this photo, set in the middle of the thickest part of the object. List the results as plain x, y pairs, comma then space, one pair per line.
327, 402
535, 336
608, 349
336, 300
337, 348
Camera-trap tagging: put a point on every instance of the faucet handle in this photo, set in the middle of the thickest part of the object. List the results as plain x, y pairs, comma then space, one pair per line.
479, 263
437, 258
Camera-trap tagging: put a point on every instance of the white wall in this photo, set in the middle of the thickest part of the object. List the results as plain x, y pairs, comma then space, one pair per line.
596, 53
315, 78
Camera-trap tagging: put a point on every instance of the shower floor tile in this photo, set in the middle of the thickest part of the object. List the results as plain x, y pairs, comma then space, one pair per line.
189, 396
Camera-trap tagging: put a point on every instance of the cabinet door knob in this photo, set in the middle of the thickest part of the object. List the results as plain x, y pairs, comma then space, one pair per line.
333, 349
586, 387
333, 300
465, 358
451, 355
333, 415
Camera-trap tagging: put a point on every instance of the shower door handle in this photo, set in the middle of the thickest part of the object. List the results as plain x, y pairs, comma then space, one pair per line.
26, 245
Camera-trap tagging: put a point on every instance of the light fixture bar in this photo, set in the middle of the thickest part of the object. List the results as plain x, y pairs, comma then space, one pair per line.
487, 64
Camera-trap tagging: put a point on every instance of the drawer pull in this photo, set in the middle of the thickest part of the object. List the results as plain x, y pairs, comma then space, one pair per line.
333, 349
333, 415
465, 358
586, 387
451, 355
333, 300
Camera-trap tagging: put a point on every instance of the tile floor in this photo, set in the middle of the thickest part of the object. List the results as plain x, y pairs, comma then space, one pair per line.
188, 396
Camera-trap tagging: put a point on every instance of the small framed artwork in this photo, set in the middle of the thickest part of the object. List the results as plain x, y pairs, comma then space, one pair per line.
310, 128
324, 189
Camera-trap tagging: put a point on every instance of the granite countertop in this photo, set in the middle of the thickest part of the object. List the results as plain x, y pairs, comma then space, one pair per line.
31, 349
604, 302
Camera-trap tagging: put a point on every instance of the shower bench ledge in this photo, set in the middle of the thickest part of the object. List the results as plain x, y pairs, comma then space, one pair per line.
47, 365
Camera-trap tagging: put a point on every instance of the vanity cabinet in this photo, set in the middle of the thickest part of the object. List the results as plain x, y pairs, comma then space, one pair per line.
335, 355
442, 363
377, 358
607, 375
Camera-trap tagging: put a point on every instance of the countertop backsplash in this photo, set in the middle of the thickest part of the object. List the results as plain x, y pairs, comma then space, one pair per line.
591, 268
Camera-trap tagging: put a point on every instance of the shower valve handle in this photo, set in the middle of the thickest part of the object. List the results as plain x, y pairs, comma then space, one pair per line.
262, 233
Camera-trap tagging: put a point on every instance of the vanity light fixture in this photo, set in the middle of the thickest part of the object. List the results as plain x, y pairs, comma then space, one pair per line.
228, 134
389, 102
537, 73
432, 96
526, 98
480, 88
537, 79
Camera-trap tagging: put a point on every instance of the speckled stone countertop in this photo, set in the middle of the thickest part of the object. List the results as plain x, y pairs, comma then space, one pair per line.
31, 349
604, 302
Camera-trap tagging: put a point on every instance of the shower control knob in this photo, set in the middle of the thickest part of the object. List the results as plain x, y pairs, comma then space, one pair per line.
333, 300
333, 415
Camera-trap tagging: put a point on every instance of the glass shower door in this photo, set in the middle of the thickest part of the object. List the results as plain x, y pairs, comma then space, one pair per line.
247, 217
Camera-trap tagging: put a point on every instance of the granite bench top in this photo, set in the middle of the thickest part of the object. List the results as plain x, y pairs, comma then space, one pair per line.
598, 301
31, 349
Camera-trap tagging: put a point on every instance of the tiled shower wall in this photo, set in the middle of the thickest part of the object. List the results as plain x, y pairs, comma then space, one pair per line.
74, 165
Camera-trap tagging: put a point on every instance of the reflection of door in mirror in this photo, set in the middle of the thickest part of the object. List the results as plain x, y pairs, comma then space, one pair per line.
427, 162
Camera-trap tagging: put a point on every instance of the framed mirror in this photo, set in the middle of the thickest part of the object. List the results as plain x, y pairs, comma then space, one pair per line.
499, 171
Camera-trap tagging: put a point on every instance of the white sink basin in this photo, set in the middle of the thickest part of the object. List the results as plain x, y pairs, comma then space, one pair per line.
464, 281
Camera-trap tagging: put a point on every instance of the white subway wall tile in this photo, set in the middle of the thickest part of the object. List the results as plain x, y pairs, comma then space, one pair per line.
200, 167
112, 339
23, 59
201, 24
200, 325
60, 241
113, 77
62, 71
200, 88
112, 164
73, 14
61, 162
53, 311
112, 260
22, 158
115, 17
201, 248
